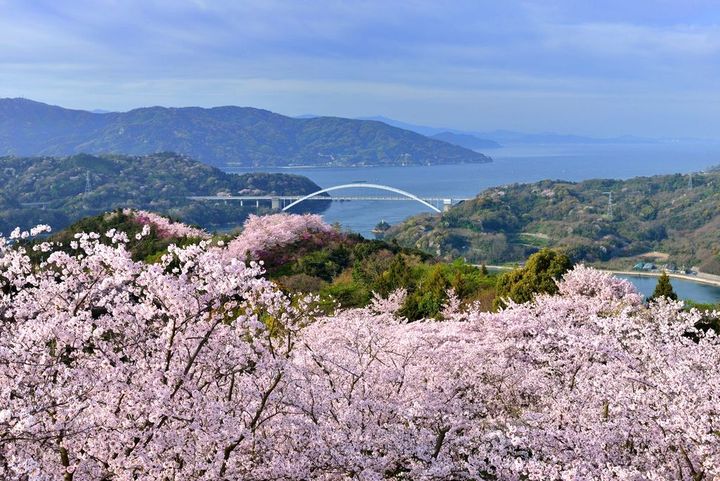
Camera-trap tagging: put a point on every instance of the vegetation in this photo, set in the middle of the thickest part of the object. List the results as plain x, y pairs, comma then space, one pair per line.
147, 247
197, 368
52, 190
709, 316
664, 288
343, 269
540, 274
661, 213
346, 269
221, 136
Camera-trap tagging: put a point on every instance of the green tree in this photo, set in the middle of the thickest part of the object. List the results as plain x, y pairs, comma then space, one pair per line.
398, 275
664, 288
427, 300
539, 275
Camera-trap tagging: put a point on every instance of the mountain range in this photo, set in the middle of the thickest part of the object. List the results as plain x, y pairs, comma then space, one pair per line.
466, 140
511, 137
225, 137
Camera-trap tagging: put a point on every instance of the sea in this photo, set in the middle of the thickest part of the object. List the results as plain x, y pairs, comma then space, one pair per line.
511, 164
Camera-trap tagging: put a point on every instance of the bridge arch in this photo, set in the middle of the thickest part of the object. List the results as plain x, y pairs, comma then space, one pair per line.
365, 186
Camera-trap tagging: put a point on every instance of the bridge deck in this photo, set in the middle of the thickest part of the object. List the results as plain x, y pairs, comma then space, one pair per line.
333, 198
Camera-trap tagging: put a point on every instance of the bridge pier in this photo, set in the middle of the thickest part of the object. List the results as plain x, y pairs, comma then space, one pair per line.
447, 204
275, 201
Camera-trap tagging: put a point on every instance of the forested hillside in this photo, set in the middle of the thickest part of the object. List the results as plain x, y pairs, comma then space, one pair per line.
226, 137
60, 190
671, 214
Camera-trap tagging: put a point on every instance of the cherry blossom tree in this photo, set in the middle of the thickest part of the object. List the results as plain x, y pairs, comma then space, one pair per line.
113, 369
197, 368
164, 227
262, 234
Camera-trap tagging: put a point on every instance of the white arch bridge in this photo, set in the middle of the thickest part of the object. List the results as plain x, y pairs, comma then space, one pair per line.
285, 202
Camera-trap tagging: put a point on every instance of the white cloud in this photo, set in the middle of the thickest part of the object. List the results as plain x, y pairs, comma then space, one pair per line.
478, 61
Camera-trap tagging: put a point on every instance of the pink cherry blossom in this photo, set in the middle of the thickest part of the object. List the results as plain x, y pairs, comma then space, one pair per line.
197, 368
164, 226
262, 234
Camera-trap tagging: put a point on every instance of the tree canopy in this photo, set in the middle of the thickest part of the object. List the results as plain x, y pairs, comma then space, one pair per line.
198, 368
539, 275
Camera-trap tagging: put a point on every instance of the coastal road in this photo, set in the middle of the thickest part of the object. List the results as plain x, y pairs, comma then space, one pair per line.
701, 277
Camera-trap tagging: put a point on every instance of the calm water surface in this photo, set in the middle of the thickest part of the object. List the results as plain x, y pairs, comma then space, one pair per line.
512, 165
685, 290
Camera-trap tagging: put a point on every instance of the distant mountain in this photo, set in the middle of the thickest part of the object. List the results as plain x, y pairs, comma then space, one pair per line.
420, 129
222, 136
466, 140
512, 137
61, 190
508, 137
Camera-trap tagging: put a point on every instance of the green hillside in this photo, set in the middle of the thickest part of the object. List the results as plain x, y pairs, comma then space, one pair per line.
226, 137
661, 213
52, 190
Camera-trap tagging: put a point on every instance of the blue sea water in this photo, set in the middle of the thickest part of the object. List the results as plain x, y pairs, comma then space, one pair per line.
685, 289
510, 165
518, 164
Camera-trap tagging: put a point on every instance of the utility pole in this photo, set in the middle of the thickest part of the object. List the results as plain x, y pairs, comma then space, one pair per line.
610, 204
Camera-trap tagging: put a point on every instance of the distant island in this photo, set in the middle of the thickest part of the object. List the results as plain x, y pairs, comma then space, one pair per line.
466, 140
510, 137
225, 137
675, 218
60, 190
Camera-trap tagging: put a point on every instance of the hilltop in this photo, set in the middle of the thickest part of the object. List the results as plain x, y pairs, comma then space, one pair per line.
662, 214
158, 182
226, 137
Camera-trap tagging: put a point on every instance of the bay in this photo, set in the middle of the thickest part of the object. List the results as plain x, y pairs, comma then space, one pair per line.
518, 164
685, 289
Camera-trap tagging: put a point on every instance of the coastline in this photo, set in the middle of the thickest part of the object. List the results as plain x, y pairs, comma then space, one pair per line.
701, 278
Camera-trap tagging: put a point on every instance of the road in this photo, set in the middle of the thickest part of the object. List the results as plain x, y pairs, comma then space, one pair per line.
701, 277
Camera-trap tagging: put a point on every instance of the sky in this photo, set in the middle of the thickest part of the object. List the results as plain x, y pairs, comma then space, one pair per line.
600, 68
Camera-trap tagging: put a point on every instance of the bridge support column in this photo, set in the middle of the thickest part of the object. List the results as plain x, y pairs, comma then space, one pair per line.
275, 203
447, 204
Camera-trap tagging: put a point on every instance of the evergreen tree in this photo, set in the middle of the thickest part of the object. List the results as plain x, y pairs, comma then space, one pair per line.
539, 275
664, 288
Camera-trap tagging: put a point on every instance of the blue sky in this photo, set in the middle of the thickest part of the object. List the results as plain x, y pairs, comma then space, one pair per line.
588, 67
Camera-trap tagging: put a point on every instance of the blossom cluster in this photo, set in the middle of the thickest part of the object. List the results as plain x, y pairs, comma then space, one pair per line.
197, 368
163, 226
262, 234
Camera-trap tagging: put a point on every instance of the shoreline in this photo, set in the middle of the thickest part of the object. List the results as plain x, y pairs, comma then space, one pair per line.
701, 278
